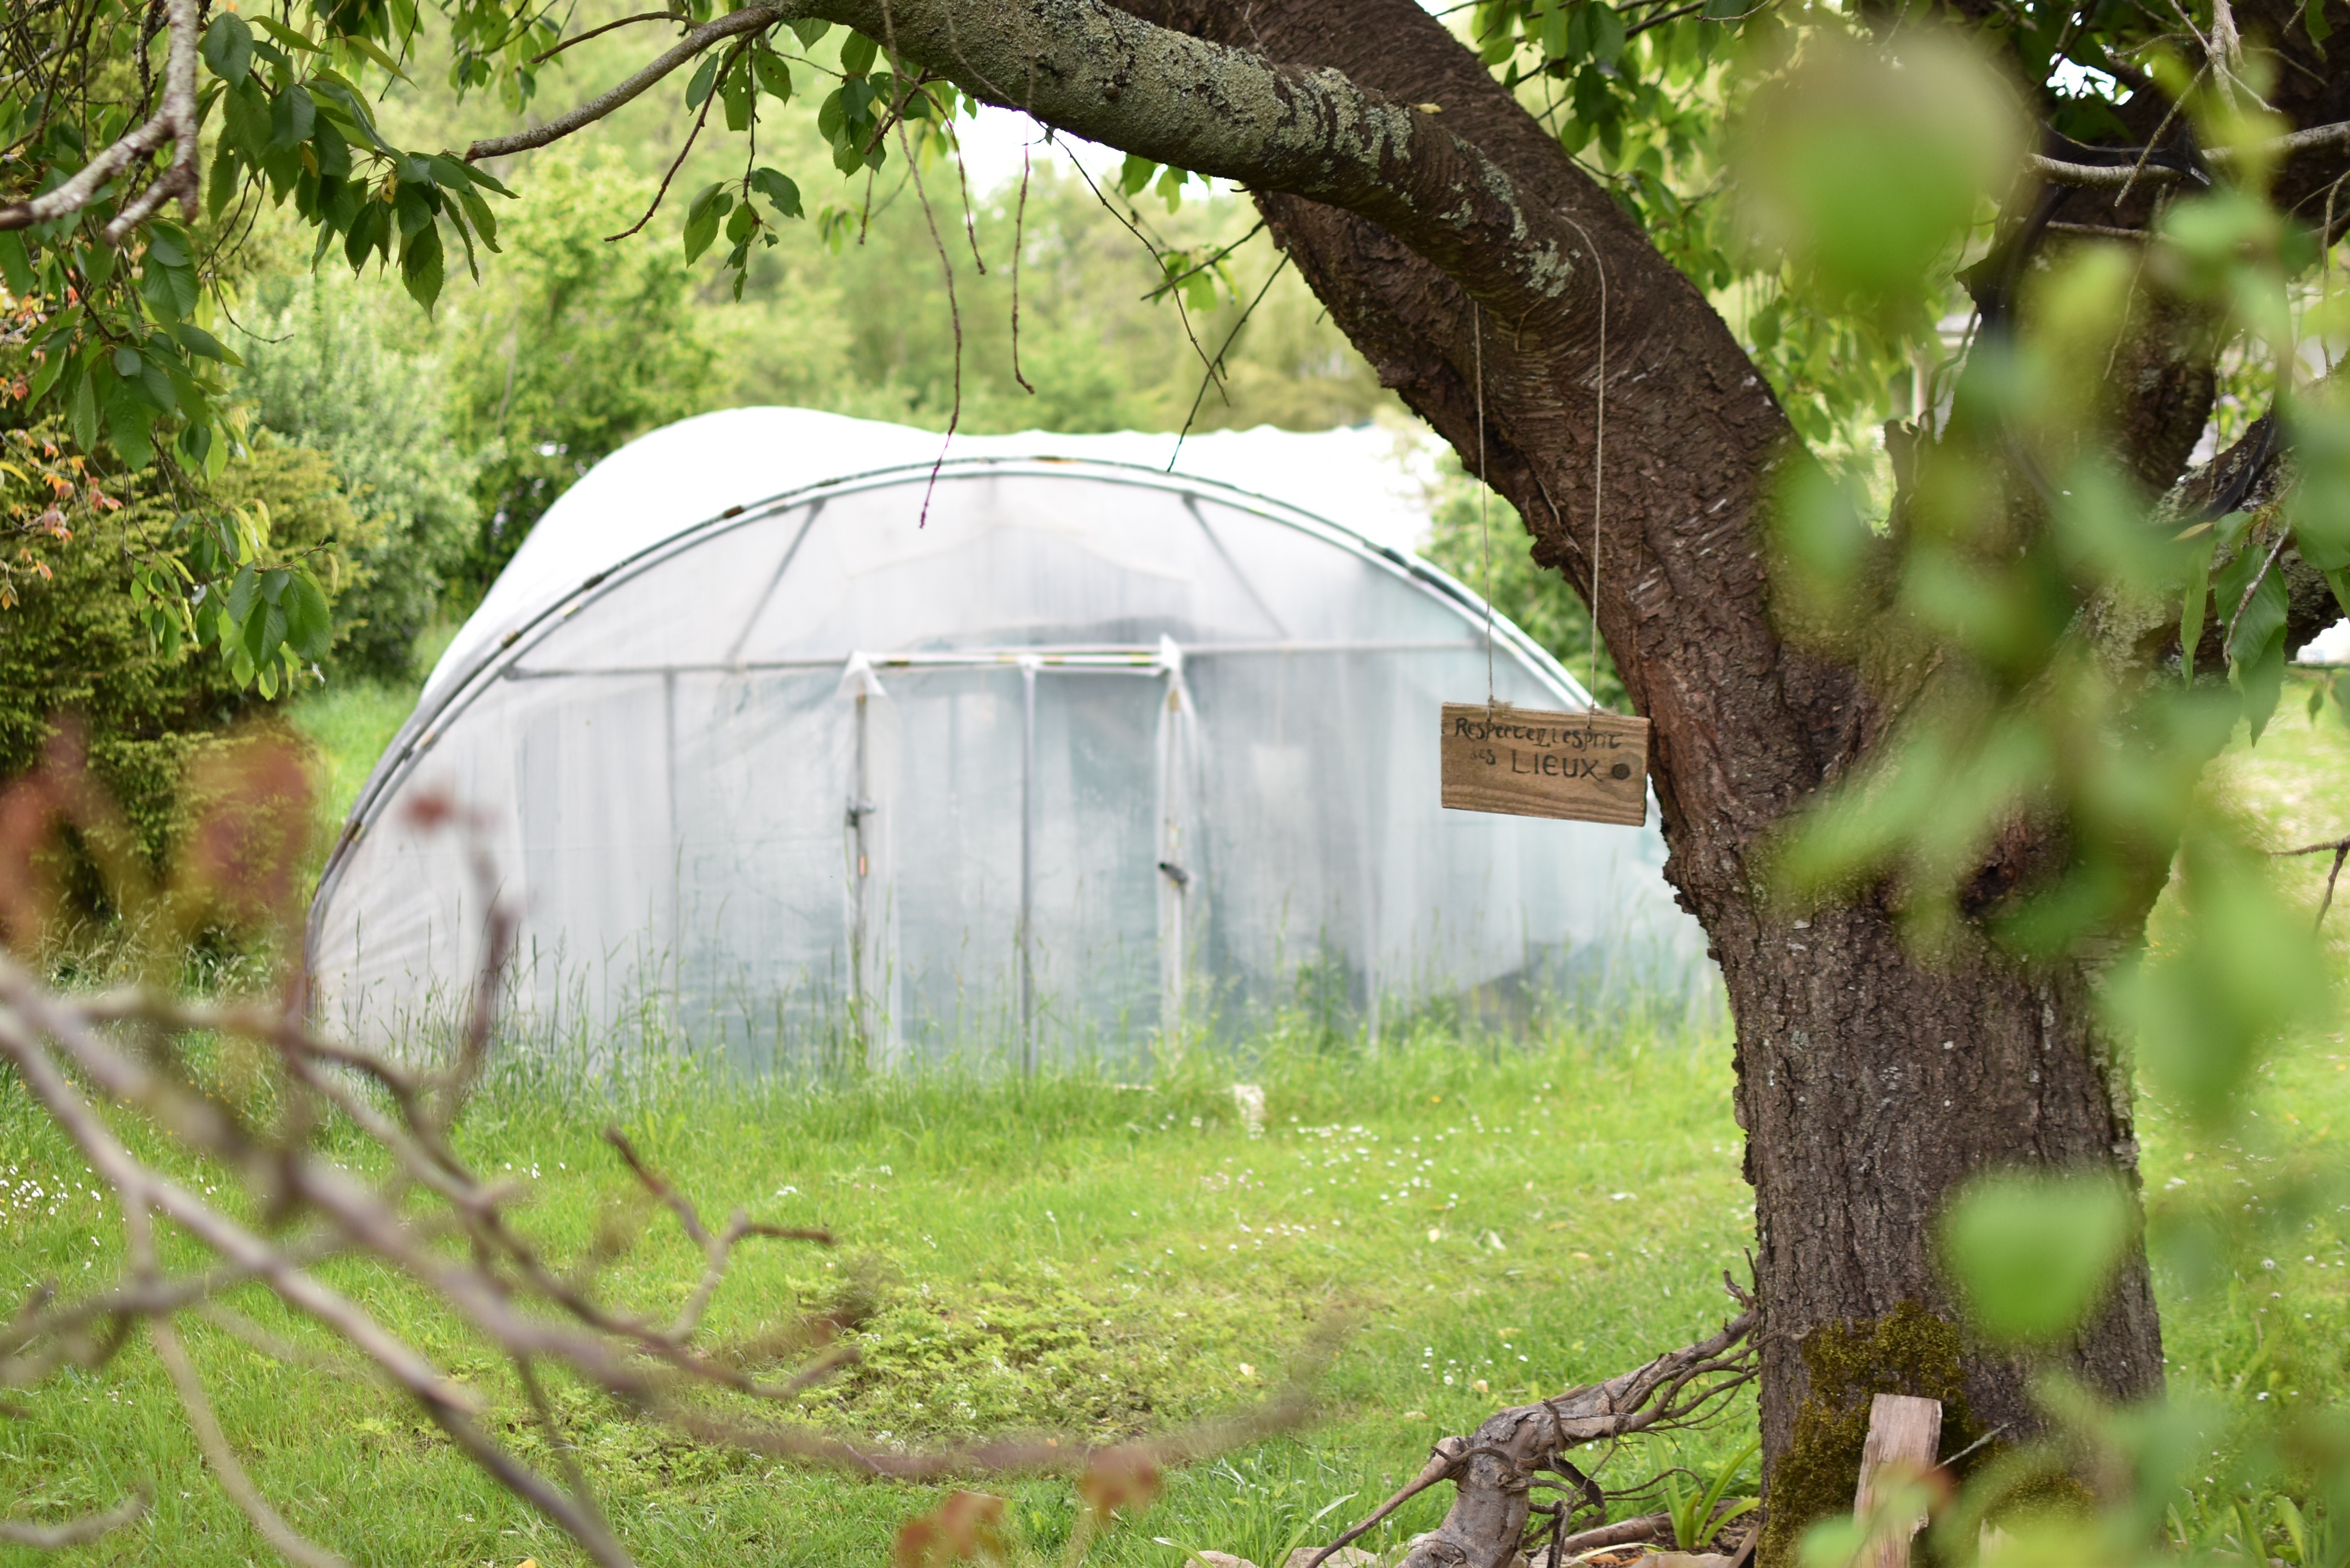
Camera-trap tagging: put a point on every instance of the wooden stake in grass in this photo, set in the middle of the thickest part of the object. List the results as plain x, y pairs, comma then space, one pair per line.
1903, 1436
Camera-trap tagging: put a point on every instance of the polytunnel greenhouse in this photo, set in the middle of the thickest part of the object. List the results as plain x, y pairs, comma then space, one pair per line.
782, 734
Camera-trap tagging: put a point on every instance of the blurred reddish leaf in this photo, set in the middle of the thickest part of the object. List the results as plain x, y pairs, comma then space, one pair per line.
246, 854
1118, 1479
969, 1525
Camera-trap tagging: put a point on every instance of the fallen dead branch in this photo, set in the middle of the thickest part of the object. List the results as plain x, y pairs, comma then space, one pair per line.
1497, 1470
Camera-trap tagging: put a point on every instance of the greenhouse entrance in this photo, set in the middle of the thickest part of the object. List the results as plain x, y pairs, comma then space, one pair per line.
1074, 830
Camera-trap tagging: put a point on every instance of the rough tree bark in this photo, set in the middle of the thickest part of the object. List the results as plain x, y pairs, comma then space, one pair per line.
1432, 215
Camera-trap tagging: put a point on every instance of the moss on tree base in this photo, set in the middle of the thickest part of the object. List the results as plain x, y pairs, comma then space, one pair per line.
1908, 1351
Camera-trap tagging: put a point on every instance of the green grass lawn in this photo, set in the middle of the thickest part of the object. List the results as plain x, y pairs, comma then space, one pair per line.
1065, 1254
1488, 1220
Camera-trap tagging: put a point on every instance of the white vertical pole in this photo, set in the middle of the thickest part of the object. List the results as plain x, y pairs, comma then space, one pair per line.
1028, 866
676, 960
1174, 920
860, 807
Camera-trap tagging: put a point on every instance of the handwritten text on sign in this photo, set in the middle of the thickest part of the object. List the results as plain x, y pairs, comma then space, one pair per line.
1592, 767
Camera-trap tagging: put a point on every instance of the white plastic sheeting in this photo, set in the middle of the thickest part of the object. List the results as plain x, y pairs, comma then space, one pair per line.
1088, 755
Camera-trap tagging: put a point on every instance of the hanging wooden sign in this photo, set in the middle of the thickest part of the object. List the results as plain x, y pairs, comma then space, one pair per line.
1525, 762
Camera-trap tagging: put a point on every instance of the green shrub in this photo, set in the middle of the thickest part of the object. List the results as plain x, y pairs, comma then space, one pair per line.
75, 643
320, 371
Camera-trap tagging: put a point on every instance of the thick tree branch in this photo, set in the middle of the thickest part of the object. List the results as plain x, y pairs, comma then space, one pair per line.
174, 121
1106, 74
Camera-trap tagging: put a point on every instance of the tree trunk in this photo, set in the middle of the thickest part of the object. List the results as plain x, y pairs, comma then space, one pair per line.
1870, 1081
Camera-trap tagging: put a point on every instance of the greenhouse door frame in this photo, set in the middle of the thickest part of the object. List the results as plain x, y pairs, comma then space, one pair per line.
1164, 662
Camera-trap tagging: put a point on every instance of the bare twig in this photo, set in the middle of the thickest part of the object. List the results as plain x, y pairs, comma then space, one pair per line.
1216, 366
74, 1531
1188, 273
2123, 177
2337, 848
750, 19
1623, 1533
609, 26
1019, 235
954, 315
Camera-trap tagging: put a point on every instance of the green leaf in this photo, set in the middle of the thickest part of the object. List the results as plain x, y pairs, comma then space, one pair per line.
777, 188
775, 75
291, 117
702, 219
1606, 33
243, 589
331, 89
809, 29
704, 79
127, 421
285, 34
856, 53
125, 363
263, 631
16, 264
2032, 1254
738, 93
309, 624
413, 208
156, 382
2255, 623
373, 51
52, 365
244, 121
2191, 611
1135, 173
2258, 673
485, 221
2313, 20
367, 231
333, 152
831, 116
170, 292
483, 178
420, 265
220, 189
228, 48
